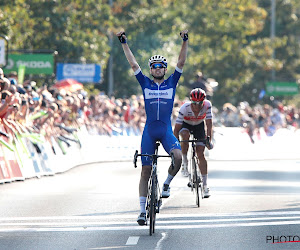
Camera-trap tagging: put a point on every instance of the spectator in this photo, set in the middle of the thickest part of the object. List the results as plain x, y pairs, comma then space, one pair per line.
230, 116
201, 82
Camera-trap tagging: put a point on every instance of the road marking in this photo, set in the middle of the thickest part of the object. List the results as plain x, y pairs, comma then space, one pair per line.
158, 227
159, 221
164, 222
132, 240
130, 216
110, 247
158, 245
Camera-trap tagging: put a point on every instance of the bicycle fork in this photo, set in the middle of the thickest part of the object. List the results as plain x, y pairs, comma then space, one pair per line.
158, 200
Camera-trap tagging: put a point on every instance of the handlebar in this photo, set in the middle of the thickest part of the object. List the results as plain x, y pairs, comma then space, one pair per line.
4, 134
67, 129
136, 155
135, 158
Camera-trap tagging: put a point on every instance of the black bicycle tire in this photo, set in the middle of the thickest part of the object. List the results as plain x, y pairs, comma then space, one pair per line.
152, 208
191, 175
155, 202
196, 182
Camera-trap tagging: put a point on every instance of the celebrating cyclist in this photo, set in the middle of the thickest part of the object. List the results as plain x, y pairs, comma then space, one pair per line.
159, 98
193, 117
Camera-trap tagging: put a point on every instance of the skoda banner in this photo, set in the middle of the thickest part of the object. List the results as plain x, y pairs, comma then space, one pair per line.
282, 88
35, 63
90, 73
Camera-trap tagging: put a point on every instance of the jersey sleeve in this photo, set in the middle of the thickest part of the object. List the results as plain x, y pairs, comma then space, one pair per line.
209, 114
180, 117
175, 76
140, 77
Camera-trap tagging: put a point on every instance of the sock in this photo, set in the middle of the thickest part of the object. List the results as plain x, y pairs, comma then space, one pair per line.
169, 179
185, 159
204, 178
143, 204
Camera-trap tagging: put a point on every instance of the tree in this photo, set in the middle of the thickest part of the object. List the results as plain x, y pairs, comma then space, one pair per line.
77, 30
228, 40
286, 46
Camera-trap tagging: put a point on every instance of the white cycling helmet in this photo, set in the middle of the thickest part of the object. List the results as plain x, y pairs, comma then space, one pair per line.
158, 59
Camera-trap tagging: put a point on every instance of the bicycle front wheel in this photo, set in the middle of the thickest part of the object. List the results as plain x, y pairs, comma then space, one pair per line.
196, 182
152, 206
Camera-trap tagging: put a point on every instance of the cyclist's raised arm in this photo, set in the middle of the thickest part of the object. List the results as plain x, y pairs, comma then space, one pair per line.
129, 55
184, 48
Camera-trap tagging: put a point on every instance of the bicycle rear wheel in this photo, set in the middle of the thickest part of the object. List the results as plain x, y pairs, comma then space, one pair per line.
152, 213
196, 182
190, 169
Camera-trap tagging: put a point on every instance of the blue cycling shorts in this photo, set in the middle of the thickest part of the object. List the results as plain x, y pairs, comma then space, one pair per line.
157, 131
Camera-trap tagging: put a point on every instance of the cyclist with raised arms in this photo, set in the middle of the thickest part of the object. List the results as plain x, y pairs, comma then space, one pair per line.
159, 98
190, 120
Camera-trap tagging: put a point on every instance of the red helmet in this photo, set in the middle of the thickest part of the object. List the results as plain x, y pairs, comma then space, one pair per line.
197, 95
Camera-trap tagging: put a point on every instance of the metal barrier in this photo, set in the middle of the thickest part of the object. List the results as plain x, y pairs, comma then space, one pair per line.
23, 156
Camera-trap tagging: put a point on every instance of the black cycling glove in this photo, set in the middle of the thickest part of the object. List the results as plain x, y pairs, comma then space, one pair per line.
208, 143
121, 38
185, 36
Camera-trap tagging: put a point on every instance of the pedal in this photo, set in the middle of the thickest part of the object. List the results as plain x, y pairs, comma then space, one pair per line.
189, 184
159, 202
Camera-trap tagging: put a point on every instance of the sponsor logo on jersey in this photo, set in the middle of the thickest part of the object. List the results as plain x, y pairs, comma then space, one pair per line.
193, 118
164, 94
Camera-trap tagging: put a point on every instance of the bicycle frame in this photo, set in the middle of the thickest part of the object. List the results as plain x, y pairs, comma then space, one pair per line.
154, 199
195, 177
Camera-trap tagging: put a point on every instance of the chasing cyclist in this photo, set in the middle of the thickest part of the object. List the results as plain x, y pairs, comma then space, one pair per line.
159, 98
190, 120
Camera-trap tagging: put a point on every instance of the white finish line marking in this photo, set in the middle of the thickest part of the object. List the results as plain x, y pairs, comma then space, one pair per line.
130, 223
164, 222
161, 216
133, 240
130, 228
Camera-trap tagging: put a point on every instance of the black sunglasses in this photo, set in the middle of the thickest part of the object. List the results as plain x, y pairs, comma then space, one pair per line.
157, 66
199, 103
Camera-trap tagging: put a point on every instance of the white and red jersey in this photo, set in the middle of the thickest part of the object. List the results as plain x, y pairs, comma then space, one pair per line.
187, 115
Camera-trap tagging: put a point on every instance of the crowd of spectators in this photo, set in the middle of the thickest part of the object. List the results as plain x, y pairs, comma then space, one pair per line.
46, 109
28, 109
253, 119
43, 109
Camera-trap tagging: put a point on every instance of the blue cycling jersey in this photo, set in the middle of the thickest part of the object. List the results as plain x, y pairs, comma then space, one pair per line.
159, 100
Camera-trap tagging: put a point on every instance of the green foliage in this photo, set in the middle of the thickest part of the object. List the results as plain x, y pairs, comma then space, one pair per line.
228, 40
91, 89
76, 29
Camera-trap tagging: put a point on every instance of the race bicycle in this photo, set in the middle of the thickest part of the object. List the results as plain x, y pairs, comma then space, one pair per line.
195, 178
154, 198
